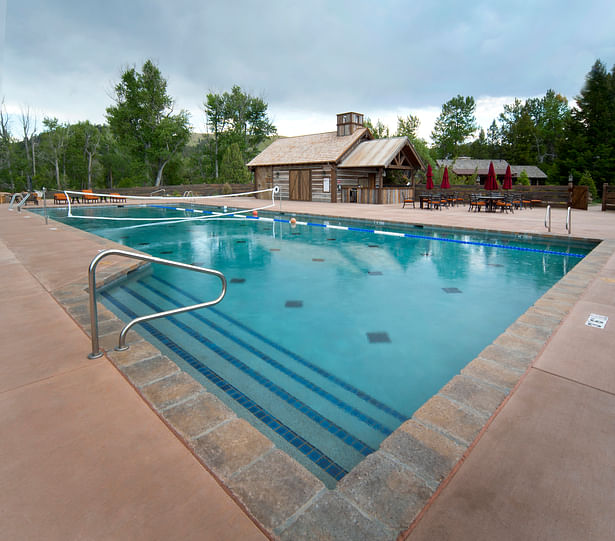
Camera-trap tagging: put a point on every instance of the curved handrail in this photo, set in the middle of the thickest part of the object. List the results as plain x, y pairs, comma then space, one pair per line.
548, 215
569, 220
143, 257
188, 193
161, 190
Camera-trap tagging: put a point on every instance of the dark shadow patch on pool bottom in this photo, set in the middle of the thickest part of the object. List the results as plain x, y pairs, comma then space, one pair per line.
374, 273
451, 290
378, 337
237, 280
294, 304
317, 259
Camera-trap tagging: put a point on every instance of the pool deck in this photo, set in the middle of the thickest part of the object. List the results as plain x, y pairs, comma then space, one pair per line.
85, 457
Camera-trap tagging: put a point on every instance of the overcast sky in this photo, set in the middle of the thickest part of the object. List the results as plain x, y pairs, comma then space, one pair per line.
309, 60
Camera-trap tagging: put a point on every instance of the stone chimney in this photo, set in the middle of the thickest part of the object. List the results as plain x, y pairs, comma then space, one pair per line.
348, 123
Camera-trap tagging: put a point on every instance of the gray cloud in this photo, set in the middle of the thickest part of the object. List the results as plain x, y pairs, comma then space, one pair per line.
317, 57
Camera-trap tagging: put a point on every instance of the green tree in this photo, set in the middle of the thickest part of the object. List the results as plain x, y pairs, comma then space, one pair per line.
454, 126
591, 132
523, 178
237, 117
6, 148
53, 145
233, 169
379, 130
408, 127
587, 180
143, 120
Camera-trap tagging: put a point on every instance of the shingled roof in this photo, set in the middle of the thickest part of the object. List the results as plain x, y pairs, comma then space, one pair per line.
379, 153
467, 166
531, 170
318, 148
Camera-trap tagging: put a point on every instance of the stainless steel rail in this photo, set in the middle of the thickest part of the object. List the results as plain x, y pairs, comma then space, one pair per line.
548, 217
96, 352
569, 220
161, 190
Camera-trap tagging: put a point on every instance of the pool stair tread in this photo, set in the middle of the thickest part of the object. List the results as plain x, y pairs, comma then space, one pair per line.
318, 457
326, 415
322, 423
263, 340
309, 380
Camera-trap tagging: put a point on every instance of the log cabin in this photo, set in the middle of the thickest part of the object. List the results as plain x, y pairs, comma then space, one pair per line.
346, 165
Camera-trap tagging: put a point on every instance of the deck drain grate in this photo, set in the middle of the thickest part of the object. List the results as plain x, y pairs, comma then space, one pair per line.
378, 337
451, 290
294, 304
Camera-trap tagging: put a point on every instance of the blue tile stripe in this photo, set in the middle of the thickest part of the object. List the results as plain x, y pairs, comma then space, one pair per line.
277, 365
300, 406
310, 451
407, 235
334, 379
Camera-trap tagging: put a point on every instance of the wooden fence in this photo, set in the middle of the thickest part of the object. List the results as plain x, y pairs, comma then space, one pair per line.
608, 197
389, 195
556, 196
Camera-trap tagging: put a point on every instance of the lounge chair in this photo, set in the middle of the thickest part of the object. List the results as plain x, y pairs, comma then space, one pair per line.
60, 198
116, 198
87, 198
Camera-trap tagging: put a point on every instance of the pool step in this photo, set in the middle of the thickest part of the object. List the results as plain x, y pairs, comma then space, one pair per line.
203, 341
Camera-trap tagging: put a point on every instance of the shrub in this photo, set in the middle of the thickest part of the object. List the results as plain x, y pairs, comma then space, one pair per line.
523, 178
587, 180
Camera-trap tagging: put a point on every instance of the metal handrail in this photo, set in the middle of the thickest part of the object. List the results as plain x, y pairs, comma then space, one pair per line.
22, 202
548, 215
161, 190
188, 193
569, 220
96, 352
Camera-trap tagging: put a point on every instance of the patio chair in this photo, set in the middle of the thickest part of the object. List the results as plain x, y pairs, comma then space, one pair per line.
408, 200
116, 198
87, 198
475, 203
60, 198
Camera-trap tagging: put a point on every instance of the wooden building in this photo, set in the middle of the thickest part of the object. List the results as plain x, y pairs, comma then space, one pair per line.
332, 166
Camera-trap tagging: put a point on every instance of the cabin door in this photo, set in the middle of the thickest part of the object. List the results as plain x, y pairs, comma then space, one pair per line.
299, 185
263, 178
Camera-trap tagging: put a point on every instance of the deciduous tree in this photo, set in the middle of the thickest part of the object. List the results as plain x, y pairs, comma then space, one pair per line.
454, 126
143, 120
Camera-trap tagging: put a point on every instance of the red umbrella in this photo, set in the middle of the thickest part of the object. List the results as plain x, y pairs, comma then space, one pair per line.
491, 183
429, 184
445, 183
507, 184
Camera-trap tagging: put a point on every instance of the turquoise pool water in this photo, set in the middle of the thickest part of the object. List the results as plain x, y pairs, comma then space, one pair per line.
328, 338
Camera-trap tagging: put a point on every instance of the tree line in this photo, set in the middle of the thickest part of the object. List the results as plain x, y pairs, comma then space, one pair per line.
146, 142
564, 141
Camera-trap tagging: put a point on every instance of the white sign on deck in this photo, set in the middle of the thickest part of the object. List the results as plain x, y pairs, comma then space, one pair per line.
595, 320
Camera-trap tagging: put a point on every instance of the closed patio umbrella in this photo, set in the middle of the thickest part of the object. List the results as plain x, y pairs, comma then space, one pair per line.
491, 183
429, 184
507, 184
445, 183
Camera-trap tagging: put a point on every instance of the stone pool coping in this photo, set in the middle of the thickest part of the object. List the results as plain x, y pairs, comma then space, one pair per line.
382, 496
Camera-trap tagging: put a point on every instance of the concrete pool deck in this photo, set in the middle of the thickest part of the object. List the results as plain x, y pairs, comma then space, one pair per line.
541, 468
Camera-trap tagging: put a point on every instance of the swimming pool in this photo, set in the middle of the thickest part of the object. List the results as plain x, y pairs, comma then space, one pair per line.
329, 338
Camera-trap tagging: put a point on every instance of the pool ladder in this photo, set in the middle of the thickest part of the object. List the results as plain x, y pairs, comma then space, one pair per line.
568, 219
96, 352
